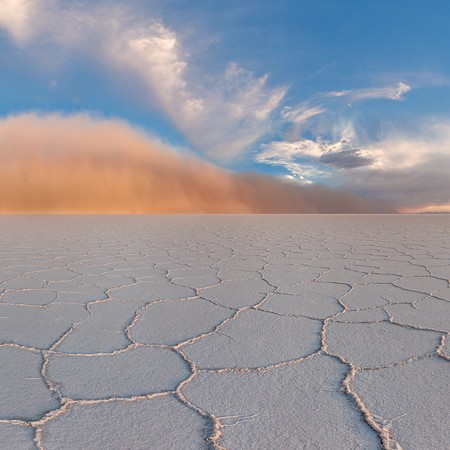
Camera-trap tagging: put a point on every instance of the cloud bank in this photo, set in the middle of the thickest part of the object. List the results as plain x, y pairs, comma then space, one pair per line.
81, 164
408, 169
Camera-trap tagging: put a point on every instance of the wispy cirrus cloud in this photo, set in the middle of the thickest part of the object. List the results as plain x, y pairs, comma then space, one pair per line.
298, 117
301, 113
395, 92
221, 116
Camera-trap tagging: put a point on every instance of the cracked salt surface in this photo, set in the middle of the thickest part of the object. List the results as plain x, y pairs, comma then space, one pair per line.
233, 332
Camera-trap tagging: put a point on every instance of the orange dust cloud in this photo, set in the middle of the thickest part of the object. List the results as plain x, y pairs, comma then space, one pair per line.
80, 164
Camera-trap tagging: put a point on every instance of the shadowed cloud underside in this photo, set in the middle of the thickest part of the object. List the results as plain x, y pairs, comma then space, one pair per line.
80, 164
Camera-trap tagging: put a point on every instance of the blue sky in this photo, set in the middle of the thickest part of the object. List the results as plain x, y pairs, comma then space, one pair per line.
346, 93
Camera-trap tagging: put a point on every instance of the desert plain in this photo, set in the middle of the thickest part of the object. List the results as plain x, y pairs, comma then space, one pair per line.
225, 332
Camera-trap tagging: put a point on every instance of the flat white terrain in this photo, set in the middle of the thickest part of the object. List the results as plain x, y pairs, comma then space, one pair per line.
235, 332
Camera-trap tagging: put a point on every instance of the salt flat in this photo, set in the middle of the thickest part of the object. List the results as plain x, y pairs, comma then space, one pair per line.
236, 332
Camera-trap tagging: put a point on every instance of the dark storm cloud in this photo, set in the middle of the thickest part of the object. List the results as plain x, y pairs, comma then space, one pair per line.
346, 159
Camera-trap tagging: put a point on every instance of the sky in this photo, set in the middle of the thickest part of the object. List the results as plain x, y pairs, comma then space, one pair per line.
346, 96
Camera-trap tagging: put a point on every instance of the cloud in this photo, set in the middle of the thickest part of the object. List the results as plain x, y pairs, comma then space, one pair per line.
297, 118
221, 116
389, 92
308, 160
410, 170
301, 113
346, 159
15, 16
333, 143
82, 164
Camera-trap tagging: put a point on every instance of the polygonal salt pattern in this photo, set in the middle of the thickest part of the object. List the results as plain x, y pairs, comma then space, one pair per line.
227, 332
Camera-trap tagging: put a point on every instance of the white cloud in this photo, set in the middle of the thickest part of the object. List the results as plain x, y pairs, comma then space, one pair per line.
297, 158
221, 117
389, 92
301, 113
338, 93
15, 16
298, 118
